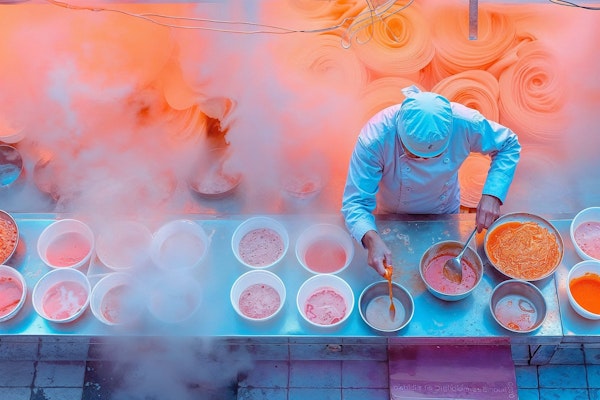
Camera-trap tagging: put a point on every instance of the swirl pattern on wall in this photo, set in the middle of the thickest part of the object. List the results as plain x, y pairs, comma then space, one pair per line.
532, 94
456, 53
474, 88
381, 93
396, 43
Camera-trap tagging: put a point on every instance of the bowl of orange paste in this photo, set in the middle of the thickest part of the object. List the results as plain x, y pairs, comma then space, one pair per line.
523, 246
583, 286
432, 265
585, 233
9, 236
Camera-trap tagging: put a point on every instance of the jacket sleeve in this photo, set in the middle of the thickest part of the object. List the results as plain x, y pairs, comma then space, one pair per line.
362, 184
503, 146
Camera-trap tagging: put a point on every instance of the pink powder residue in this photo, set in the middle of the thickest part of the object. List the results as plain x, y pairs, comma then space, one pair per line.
67, 249
261, 247
10, 294
113, 303
587, 237
325, 307
63, 300
259, 301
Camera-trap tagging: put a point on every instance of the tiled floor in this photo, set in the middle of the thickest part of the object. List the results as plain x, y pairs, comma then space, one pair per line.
573, 373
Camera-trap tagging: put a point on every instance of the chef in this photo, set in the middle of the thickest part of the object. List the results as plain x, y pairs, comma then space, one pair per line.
406, 161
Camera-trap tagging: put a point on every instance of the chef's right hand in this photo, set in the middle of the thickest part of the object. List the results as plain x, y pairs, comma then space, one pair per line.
377, 251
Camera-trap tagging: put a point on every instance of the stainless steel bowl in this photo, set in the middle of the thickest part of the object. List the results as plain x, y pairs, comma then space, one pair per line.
11, 165
374, 302
518, 306
9, 232
452, 248
523, 218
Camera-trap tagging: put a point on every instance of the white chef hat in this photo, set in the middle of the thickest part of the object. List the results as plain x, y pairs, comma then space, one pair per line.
424, 122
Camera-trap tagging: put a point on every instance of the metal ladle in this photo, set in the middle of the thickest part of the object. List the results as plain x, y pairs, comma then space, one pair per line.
453, 266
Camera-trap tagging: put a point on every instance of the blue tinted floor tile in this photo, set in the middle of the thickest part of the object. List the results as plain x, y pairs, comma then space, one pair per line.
266, 374
562, 376
529, 394
314, 393
15, 393
527, 377
362, 394
594, 394
592, 355
316, 374
563, 394
261, 394
593, 375
365, 374
567, 355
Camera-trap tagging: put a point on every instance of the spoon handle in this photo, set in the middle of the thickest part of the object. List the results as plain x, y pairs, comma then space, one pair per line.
467, 243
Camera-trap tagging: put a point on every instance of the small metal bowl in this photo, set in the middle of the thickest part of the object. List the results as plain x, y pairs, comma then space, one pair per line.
374, 303
8, 230
518, 306
11, 165
523, 218
450, 248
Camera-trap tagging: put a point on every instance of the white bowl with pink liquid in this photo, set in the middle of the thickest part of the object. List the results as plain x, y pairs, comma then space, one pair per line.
258, 295
13, 292
260, 242
179, 245
325, 249
61, 295
66, 243
325, 301
585, 233
115, 300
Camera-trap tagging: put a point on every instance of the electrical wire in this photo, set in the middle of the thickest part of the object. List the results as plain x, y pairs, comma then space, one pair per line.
571, 4
353, 25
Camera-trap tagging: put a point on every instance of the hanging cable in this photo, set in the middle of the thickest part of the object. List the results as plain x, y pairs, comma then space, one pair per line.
571, 4
352, 25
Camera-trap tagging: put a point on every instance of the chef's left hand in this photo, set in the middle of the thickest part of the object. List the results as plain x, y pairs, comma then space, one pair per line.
488, 210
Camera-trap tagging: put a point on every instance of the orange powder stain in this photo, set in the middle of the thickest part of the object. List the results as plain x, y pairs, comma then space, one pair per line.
585, 291
522, 250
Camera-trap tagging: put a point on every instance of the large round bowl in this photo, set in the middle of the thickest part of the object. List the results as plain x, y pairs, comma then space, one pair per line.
14, 292
325, 301
585, 233
257, 295
9, 232
61, 295
325, 249
431, 270
374, 306
518, 306
179, 245
583, 286
523, 246
66, 243
260, 242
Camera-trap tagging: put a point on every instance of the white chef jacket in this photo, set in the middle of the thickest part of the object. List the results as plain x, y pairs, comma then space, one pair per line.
383, 179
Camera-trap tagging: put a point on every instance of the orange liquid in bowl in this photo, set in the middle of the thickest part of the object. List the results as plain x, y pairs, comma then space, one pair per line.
585, 291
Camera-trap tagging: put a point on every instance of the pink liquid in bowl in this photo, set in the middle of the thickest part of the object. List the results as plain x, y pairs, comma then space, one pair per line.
325, 256
11, 291
325, 307
68, 249
259, 301
63, 300
261, 247
434, 275
587, 237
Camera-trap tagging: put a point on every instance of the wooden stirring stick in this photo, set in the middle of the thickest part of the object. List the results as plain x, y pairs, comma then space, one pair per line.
388, 275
